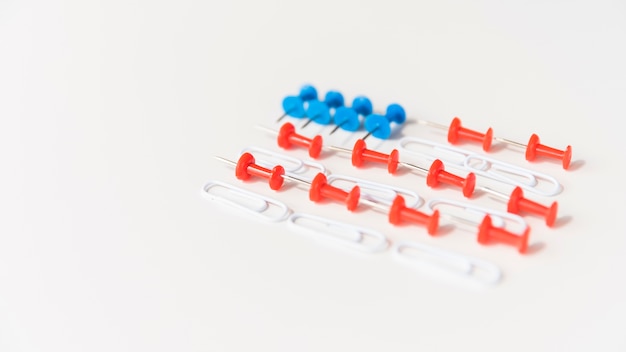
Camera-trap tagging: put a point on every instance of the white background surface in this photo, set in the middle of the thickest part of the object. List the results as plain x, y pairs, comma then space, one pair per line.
111, 113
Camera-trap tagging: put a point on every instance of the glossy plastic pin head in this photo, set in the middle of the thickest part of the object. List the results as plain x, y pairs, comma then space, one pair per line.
362, 105
380, 125
456, 132
488, 233
399, 213
534, 149
294, 105
246, 168
517, 204
347, 118
360, 154
437, 175
287, 137
320, 111
320, 189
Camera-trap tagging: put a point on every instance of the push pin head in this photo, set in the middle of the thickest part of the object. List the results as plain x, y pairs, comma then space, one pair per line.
399, 212
347, 118
456, 132
294, 105
488, 233
360, 154
380, 125
517, 204
246, 167
535, 148
437, 174
287, 137
362, 105
320, 189
320, 112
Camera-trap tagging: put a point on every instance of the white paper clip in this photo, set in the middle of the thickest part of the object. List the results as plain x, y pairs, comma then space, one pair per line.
377, 192
499, 218
263, 207
438, 261
362, 239
531, 181
293, 166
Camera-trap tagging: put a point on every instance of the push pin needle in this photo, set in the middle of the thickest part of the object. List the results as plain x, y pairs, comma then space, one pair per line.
319, 189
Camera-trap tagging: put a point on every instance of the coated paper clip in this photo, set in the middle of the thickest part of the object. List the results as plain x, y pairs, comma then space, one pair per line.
293, 166
441, 261
263, 207
362, 239
378, 192
487, 167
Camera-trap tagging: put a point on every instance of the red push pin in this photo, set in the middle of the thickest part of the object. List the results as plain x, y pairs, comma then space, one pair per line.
534, 149
488, 233
246, 167
399, 213
457, 132
437, 175
360, 154
320, 189
517, 203
287, 137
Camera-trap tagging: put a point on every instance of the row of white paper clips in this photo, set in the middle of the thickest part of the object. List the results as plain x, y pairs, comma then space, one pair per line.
424, 257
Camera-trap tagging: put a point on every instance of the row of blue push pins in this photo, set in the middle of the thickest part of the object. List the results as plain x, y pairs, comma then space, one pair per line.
332, 110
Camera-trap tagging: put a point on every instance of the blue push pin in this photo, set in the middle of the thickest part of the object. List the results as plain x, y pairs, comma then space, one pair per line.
294, 105
320, 112
348, 117
380, 125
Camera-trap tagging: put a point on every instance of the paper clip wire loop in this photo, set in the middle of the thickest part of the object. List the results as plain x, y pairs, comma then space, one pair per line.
428, 257
268, 158
260, 206
380, 192
499, 218
485, 166
362, 239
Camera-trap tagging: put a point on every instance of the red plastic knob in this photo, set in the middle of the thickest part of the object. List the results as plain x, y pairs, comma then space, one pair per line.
456, 132
246, 168
288, 137
488, 233
320, 189
437, 174
399, 212
517, 203
535, 148
360, 154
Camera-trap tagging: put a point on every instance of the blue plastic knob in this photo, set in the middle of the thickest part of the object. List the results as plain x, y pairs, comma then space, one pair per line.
333, 99
395, 113
378, 126
362, 105
293, 106
347, 119
319, 112
308, 92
